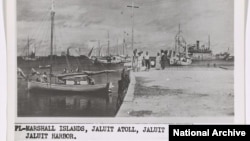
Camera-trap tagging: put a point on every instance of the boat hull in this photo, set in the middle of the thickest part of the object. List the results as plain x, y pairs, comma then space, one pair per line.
39, 86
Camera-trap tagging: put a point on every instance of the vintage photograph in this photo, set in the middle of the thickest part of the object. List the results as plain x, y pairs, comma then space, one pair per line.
125, 58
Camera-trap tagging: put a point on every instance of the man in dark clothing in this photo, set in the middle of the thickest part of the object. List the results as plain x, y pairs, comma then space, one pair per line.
166, 58
147, 61
163, 61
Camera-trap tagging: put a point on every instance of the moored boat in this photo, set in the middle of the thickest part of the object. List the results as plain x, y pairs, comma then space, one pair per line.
178, 57
69, 83
57, 87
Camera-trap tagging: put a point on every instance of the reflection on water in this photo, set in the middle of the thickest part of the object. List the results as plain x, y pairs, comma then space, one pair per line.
59, 104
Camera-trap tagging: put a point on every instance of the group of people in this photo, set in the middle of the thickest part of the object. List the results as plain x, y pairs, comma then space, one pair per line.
140, 61
162, 60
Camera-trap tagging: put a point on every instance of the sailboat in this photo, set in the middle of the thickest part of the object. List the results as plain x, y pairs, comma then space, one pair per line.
80, 82
32, 56
179, 58
109, 58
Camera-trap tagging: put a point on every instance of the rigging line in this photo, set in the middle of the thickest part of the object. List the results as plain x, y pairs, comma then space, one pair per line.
59, 38
41, 36
44, 18
44, 43
31, 35
65, 38
44, 36
40, 29
24, 48
66, 55
46, 29
42, 23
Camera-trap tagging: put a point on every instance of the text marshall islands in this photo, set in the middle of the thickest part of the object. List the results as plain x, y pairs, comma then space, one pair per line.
65, 131
214, 132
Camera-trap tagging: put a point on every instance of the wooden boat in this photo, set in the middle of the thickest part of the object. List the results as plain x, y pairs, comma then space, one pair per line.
108, 58
67, 82
72, 82
40, 86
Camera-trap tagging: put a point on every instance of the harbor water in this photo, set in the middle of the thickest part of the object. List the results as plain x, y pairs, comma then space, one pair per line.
44, 104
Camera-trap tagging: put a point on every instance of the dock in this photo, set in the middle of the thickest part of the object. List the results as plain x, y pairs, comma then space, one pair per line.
184, 92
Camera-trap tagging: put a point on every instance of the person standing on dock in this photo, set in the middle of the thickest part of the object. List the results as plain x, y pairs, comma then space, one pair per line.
166, 58
158, 62
163, 60
147, 61
135, 60
139, 63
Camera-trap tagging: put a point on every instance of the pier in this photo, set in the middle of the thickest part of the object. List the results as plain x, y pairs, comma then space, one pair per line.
185, 92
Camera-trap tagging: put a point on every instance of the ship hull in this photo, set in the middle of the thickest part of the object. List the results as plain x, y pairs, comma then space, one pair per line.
39, 86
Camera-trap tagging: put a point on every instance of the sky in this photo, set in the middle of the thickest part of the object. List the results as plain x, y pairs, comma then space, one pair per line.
81, 23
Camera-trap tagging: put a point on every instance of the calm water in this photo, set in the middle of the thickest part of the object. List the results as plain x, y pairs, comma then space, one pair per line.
70, 105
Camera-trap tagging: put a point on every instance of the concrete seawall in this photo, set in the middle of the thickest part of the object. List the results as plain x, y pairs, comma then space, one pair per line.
129, 97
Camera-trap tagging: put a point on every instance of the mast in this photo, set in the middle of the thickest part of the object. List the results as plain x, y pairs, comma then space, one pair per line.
99, 48
52, 13
52, 28
133, 22
177, 40
179, 32
208, 42
108, 43
28, 46
117, 47
132, 6
123, 45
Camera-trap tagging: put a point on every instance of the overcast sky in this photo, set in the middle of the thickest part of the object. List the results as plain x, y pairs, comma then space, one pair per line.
79, 22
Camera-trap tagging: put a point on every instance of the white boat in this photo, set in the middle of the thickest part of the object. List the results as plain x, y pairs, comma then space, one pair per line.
180, 61
178, 58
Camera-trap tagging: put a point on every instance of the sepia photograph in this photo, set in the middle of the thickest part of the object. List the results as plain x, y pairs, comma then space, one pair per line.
125, 58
